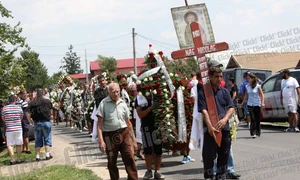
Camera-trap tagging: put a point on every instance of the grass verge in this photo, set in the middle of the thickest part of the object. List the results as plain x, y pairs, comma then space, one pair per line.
57, 172
4, 157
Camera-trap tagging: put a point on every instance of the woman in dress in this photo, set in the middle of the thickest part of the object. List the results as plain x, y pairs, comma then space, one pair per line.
255, 97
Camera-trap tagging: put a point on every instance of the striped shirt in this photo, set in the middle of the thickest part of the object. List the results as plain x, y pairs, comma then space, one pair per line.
24, 105
12, 115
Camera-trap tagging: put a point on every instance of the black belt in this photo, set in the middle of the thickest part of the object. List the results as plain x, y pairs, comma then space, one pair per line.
41, 121
117, 131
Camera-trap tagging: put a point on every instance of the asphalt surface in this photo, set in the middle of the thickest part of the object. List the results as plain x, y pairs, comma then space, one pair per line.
275, 155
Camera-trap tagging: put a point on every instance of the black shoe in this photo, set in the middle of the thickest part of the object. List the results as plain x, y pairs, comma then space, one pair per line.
12, 163
233, 176
37, 159
28, 152
48, 158
19, 162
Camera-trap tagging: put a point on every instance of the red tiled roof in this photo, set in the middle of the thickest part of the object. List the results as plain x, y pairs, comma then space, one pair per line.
121, 63
77, 76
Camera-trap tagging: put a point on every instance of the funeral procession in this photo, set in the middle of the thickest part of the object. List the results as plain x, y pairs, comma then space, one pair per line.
138, 90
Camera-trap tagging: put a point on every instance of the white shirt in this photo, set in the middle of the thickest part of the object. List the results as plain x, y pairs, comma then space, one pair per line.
288, 87
253, 95
193, 82
194, 94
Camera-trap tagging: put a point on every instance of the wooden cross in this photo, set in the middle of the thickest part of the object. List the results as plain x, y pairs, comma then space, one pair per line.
200, 50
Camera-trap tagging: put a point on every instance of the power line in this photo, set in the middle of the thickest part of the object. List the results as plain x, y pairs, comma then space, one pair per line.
159, 42
95, 42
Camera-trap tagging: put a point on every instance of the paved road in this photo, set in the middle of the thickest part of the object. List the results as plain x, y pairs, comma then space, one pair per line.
275, 155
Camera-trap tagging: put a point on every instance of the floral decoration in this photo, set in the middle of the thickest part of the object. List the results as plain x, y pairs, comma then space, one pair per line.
157, 87
54, 99
181, 82
77, 111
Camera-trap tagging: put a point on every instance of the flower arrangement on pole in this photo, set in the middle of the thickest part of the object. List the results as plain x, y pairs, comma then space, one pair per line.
155, 86
77, 112
181, 83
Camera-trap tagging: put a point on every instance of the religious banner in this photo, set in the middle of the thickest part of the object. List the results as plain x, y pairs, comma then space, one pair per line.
199, 50
184, 16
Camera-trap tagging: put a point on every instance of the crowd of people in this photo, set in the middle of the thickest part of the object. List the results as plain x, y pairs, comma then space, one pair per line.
18, 113
110, 124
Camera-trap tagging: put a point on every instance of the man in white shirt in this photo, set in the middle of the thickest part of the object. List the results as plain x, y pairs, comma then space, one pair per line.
194, 80
289, 99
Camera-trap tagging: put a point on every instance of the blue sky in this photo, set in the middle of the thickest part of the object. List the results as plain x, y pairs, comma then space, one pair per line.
51, 25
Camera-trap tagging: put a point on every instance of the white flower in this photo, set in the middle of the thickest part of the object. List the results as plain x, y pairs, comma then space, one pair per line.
154, 51
146, 79
166, 96
154, 91
164, 84
165, 90
176, 75
168, 123
167, 109
138, 82
163, 77
171, 74
150, 78
181, 88
147, 93
167, 102
140, 93
168, 116
170, 130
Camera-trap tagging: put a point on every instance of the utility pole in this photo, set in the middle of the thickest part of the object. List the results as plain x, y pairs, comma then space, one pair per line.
186, 3
86, 69
134, 53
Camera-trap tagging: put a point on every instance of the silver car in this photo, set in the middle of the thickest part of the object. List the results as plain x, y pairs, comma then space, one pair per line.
274, 110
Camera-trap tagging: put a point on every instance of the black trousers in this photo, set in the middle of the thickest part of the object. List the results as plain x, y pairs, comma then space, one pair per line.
211, 151
255, 128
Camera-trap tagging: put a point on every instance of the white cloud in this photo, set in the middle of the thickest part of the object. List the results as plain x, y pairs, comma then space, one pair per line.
247, 17
41, 14
168, 35
223, 19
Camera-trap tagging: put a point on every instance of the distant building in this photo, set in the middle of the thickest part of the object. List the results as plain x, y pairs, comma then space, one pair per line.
124, 66
273, 61
80, 77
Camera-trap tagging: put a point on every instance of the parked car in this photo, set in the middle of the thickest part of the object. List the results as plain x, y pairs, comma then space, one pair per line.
237, 74
274, 110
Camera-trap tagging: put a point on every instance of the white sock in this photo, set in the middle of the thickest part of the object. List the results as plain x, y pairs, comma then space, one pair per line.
47, 154
37, 156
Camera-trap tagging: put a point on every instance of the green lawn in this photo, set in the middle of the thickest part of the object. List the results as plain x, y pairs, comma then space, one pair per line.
57, 172
4, 157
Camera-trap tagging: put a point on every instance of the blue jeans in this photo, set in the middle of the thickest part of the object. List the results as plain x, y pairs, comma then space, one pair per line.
43, 133
230, 168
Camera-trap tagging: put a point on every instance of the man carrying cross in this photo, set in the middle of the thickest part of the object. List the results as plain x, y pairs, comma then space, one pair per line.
225, 109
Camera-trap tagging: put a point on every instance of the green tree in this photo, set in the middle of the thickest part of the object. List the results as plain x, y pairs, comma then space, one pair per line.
185, 66
107, 63
10, 69
71, 63
36, 73
55, 78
